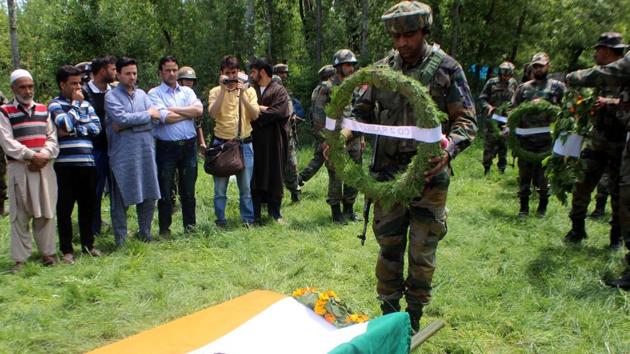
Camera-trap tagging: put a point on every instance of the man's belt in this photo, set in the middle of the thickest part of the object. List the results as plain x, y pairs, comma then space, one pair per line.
177, 142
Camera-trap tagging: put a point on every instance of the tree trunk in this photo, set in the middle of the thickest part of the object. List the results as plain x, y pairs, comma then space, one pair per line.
365, 52
250, 26
15, 52
270, 22
519, 30
455, 12
318, 31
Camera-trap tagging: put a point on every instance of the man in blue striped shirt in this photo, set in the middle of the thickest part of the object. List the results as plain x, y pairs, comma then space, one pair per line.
77, 123
176, 144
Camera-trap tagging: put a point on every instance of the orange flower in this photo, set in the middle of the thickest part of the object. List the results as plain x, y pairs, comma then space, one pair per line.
356, 318
330, 318
302, 291
571, 109
320, 307
327, 295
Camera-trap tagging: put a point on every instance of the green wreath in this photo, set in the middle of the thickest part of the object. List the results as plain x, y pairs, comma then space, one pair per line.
493, 126
575, 118
529, 108
408, 184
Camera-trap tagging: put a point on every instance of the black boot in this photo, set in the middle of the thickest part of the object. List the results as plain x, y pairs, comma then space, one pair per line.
542, 206
600, 208
295, 196
524, 211
623, 282
486, 169
415, 314
390, 306
349, 214
337, 216
615, 238
577, 232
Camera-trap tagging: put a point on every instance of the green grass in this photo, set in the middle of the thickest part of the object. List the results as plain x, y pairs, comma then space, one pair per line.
502, 284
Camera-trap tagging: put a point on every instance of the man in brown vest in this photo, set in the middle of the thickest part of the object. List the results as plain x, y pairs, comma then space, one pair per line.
29, 140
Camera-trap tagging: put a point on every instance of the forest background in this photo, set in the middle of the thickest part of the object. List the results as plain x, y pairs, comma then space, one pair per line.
302, 33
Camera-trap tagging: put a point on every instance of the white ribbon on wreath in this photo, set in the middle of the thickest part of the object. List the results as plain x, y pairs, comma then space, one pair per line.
571, 147
425, 135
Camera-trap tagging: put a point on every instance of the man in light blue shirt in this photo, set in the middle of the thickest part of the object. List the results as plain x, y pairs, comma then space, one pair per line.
130, 117
176, 139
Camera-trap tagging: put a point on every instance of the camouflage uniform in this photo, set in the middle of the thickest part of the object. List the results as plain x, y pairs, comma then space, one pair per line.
3, 168
425, 215
534, 172
602, 195
495, 93
339, 192
616, 74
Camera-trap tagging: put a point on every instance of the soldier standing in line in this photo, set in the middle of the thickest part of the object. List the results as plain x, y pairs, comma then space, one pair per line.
424, 218
603, 147
616, 74
539, 88
291, 179
497, 91
319, 98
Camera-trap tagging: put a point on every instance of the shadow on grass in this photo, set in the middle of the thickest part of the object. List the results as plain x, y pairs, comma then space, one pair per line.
562, 261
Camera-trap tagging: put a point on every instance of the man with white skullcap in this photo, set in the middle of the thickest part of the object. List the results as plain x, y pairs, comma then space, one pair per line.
29, 140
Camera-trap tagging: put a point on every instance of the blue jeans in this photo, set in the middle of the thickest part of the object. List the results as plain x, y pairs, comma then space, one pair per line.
180, 156
101, 159
243, 179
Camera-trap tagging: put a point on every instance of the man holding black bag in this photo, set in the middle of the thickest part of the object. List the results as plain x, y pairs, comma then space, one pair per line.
233, 106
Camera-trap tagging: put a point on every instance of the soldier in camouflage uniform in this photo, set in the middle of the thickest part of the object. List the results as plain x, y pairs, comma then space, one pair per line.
319, 98
603, 147
339, 193
291, 180
601, 197
3, 169
408, 23
496, 91
616, 74
540, 88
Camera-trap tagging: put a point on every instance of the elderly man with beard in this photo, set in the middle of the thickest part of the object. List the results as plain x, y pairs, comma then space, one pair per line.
29, 140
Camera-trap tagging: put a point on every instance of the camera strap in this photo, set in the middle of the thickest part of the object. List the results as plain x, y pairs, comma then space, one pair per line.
239, 117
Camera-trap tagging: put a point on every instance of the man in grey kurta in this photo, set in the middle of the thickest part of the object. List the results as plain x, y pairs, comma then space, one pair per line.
130, 115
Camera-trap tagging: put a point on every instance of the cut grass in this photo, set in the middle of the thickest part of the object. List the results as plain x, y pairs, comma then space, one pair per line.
502, 284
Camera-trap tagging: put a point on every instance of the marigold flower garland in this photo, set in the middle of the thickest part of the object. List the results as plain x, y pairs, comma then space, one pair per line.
327, 304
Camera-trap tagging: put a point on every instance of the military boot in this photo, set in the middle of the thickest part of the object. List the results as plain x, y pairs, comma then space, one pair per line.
486, 169
623, 282
390, 306
524, 210
542, 206
349, 214
600, 208
577, 232
295, 196
337, 216
415, 314
615, 238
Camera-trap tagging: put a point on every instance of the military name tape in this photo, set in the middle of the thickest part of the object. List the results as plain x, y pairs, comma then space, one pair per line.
430, 135
499, 118
571, 147
532, 131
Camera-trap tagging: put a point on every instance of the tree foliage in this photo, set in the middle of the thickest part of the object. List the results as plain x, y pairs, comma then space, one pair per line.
200, 32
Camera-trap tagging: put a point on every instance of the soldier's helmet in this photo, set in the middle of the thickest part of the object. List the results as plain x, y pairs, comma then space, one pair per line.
186, 72
343, 56
612, 40
540, 58
86, 70
408, 16
506, 68
280, 68
326, 72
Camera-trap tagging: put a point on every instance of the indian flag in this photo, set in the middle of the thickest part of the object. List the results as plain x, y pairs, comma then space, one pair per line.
266, 322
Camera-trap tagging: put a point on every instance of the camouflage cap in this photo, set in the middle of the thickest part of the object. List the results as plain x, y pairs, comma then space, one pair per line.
326, 72
186, 72
280, 68
408, 16
506, 65
540, 58
611, 40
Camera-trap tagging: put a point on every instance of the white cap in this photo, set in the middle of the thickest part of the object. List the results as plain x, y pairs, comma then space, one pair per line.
18, 74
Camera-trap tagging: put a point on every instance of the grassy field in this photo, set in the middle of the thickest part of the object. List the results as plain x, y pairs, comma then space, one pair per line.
503, 284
